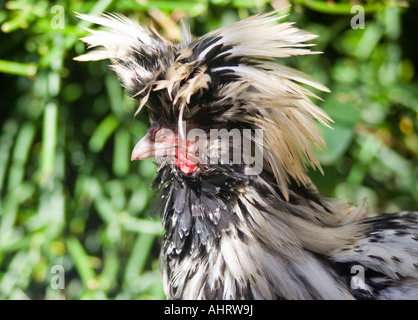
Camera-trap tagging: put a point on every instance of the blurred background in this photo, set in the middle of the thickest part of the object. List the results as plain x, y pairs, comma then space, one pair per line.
69, 195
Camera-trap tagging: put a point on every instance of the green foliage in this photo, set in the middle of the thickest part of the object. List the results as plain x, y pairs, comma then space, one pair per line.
69, 194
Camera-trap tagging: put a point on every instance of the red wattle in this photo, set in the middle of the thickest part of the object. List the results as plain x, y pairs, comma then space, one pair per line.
183, 163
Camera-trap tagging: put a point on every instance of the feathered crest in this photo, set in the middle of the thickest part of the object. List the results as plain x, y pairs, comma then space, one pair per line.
234, 66
138, 55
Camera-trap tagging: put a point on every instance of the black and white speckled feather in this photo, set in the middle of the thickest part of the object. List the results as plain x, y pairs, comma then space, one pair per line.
230, 235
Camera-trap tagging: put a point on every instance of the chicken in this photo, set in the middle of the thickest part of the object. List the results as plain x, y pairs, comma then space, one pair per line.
242, 219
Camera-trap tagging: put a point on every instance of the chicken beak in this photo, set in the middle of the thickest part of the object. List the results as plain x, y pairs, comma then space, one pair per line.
144, 149
156, 143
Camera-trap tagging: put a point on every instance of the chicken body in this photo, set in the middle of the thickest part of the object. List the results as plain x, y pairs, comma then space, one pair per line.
231, 234
233, 238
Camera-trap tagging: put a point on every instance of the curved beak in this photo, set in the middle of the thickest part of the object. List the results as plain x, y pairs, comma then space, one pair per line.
144, 149
158, 142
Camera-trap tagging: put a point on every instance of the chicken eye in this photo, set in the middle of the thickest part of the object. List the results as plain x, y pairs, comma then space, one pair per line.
156, 125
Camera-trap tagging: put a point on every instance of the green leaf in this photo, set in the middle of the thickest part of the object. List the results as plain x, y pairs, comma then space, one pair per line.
108, 277
138, 257
121, 153
21, 69
103, 132
49, 140
142, 226
6, 142
81, 261
341, 8
20, 156
340, 106
337, 140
